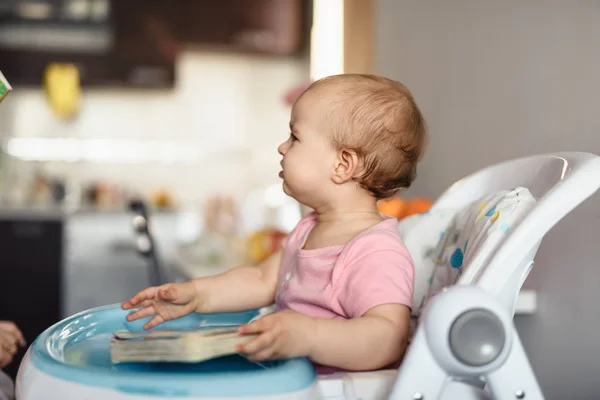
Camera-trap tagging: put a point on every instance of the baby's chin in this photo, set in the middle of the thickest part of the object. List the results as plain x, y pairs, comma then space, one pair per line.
287, 189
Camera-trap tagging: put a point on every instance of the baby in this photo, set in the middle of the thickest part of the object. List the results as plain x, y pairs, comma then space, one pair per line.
343, 281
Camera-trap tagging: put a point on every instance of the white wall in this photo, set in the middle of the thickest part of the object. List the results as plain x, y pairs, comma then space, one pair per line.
503, 79
228, 106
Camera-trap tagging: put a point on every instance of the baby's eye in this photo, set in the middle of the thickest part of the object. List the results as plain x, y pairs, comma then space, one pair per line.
293, 137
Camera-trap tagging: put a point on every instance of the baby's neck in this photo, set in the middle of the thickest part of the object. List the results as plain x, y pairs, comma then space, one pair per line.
348, 209
342, 216
338, 225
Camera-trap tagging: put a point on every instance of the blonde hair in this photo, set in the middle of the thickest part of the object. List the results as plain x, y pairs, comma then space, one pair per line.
378, 119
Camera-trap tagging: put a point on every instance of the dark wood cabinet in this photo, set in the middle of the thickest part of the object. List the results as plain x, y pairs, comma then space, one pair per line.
263, 26
277, 27
145, 37
126, 48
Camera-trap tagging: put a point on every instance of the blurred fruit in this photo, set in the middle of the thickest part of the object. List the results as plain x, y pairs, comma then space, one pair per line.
162, 199
393, 206
263, 243
400, 208
418, 205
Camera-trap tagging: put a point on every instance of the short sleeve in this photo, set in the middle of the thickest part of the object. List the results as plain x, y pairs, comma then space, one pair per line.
380, 277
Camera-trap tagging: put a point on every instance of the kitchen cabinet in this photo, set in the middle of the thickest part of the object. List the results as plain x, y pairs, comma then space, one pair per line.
100, 248
135, 43
31, 253
118, 44
262, 26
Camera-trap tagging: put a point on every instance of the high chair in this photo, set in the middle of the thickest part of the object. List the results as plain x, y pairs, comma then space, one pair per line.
473, 249
466, 346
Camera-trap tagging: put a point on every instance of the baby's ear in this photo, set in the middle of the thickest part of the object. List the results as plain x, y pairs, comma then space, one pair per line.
347, 165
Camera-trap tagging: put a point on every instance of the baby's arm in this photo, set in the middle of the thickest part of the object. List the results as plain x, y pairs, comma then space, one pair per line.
241, 288
373, 341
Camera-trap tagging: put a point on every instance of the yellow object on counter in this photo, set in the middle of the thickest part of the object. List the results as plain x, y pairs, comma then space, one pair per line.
163, 199
62, 83
264, 243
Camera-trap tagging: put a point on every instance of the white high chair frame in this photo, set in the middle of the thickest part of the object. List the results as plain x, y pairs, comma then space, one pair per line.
466, 346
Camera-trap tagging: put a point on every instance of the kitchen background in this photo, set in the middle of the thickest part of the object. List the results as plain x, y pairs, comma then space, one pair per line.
179, 104
185, 101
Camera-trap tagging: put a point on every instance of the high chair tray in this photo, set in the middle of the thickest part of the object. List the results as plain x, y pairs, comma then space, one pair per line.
76, 351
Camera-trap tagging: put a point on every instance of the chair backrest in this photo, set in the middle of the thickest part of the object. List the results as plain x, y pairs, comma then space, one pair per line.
558, 181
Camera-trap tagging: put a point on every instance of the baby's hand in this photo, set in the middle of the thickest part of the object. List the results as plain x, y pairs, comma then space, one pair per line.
166, 302
286, 334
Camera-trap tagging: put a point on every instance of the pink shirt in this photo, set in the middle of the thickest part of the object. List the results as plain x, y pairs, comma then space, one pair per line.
374, 268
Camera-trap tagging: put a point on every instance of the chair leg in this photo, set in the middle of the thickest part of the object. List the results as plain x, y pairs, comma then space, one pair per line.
420, 377
515, 378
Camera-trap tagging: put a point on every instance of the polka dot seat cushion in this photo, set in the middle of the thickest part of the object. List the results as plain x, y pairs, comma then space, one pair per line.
443, 243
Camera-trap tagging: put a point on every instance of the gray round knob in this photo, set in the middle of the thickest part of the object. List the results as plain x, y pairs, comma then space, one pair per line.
477, 337
418, 396
520, 394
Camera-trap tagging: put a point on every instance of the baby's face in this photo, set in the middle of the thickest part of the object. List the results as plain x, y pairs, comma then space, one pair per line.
308, 154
